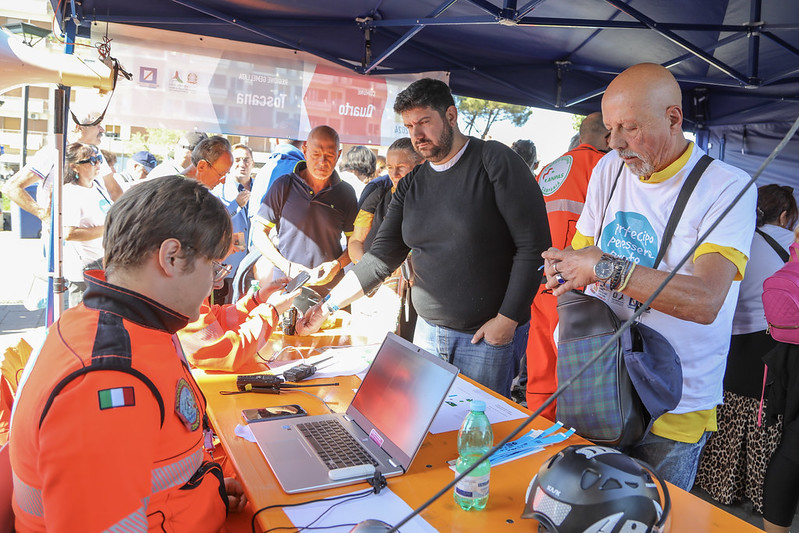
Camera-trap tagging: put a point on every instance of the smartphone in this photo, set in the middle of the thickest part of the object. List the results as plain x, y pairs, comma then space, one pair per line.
273, 413
298, 281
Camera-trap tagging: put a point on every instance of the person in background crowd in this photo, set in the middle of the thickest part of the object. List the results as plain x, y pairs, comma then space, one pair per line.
181, 159
380, 166
310, 208
235, 194
137, 168
401, 158
781, 483
526, 150
476, 224
574, 142
85, 205
283, 160
735, 458
211, 160
358, 167
642, 109
109, 423
41, 169
110, 158
564, 184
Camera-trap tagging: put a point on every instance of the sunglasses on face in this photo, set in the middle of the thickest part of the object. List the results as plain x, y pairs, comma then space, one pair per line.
94, 160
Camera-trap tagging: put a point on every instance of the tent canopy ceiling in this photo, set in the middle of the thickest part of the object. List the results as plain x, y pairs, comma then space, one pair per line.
737, 60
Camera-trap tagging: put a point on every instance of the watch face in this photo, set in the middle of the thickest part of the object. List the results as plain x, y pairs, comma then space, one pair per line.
603, 270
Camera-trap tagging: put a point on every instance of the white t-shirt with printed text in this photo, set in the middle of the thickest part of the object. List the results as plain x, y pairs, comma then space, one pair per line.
632, 228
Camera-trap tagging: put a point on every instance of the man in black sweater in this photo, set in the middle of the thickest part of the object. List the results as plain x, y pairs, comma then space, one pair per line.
476, 222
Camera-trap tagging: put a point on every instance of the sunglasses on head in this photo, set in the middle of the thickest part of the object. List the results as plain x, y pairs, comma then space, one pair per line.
94, 160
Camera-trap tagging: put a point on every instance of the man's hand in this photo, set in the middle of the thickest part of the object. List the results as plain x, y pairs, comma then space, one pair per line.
497, 331
43, 213
237, 500
312, 320
325, 272
243, 197
282, 301
570, 269
270, 287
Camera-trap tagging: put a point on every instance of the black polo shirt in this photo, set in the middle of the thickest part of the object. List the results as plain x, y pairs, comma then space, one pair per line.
309, 226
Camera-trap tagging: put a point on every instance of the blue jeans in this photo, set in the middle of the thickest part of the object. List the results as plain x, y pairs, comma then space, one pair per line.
491, 366
674, 461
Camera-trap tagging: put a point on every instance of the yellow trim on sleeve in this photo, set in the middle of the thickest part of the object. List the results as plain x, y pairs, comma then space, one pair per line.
347, 234
735, 256
685, 427
265, 222
364, 219
581, 241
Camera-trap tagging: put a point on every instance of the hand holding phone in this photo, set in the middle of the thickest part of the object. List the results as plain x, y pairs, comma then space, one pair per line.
273, 413
298, 281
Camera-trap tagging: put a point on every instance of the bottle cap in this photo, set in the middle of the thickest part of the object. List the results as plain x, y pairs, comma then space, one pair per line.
478, 405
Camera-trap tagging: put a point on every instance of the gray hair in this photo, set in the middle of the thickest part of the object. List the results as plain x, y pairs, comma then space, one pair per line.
360, 160
210, 149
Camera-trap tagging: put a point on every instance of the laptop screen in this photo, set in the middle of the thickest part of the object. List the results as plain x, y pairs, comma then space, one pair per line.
401, 393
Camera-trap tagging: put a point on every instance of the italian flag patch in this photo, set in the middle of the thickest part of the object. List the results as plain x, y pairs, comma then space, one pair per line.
119, 397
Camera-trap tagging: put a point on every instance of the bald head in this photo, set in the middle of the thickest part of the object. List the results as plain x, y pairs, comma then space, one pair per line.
594, 132
642, 109
324, 133
322, 150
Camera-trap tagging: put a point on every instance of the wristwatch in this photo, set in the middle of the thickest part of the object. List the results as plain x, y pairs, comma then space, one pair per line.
603, 270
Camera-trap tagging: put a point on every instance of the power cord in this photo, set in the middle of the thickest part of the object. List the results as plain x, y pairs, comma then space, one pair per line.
378, 483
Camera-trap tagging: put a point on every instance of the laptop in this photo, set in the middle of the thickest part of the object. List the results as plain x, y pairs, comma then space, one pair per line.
389, 418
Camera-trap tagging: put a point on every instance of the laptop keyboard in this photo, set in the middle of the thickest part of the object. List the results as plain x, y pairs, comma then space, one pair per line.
334, 444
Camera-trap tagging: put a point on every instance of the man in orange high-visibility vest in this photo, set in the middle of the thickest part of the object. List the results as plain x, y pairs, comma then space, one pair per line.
563, 183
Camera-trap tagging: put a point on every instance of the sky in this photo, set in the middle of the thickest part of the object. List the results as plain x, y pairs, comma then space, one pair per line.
550, 131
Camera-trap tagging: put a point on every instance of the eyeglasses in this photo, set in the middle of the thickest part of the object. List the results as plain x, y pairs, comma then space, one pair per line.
214, 169
221, 271
94, 160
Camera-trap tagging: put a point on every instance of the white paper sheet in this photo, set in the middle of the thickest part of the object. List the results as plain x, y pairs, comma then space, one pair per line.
347, 361
457, 405
385, 506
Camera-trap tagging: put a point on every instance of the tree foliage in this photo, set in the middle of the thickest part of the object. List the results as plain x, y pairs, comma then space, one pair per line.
479, 115
158, 141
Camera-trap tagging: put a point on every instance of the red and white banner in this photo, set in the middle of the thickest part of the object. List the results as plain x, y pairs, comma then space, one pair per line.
189, 82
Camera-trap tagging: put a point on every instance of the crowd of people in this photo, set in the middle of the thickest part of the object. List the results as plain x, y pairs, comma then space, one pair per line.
157, 253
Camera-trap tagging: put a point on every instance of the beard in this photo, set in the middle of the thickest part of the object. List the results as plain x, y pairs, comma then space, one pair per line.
642, 167
439, 148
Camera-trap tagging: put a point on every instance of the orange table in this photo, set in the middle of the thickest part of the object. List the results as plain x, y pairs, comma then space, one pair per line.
427, 475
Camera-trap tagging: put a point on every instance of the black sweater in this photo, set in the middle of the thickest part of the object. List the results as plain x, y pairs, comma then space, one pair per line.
477, 231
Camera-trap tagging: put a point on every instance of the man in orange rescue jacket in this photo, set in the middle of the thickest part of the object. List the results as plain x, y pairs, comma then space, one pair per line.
109, 428
563, 183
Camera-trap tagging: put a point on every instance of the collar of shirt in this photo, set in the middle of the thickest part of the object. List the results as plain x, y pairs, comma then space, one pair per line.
671, 170
452, 162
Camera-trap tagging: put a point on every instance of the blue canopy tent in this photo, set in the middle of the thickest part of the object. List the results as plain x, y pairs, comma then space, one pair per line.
737, 60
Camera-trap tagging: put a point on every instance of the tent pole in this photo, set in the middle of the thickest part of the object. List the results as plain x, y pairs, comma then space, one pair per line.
753, 65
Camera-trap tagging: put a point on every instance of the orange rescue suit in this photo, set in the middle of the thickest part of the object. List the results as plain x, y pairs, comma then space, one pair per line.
108, 424
564, 183
228, 337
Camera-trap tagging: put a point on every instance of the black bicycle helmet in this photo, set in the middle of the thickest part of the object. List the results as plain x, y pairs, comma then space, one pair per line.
594, 489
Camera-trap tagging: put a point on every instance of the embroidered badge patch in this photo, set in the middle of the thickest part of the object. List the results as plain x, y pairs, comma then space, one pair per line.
119, 397
186, 405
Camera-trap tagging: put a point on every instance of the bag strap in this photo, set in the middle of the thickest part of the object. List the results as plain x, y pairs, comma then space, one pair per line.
679, 205
610, 196
782, 252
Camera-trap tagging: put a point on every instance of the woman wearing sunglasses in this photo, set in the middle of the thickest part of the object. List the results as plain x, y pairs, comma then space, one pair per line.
84, 206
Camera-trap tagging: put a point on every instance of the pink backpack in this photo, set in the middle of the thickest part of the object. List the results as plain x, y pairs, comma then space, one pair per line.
781, 300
